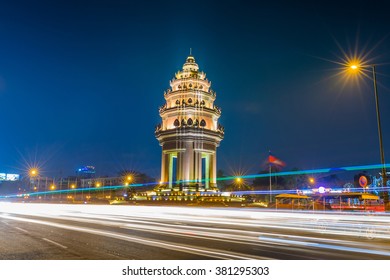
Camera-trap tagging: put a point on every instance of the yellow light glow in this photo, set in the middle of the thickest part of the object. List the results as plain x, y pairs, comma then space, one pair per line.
238, 180
354, 66
33, 172
98, 184
311, 180
73, 186
129, 178
52, 187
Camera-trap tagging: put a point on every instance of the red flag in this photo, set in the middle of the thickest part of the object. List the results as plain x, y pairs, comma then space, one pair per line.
275, 161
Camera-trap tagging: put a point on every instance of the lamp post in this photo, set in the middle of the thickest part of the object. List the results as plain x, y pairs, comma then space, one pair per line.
52, 187
73, 187
239, 183
378, 118
34, 178
127, 191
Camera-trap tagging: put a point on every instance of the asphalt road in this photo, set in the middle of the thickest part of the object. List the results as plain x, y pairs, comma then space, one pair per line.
73, 232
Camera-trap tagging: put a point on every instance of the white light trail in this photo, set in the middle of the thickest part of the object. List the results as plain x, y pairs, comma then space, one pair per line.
339, 232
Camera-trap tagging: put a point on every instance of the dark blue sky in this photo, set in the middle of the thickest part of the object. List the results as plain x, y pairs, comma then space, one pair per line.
81, 81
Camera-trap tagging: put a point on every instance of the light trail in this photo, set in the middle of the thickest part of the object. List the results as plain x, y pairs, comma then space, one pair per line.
219, 254
297, 232
324, 246
253, 176
55, 243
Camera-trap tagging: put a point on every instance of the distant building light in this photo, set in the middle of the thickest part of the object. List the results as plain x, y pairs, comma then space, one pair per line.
86, 170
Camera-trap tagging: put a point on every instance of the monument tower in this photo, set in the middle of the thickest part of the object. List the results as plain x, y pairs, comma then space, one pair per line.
189, 132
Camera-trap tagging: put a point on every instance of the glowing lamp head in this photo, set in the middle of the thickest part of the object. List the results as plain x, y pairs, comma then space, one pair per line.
354, 67
33, 172
311, 180
238, 180
321, 190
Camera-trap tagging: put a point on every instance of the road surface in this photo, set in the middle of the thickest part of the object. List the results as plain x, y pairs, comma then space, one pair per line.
32, 231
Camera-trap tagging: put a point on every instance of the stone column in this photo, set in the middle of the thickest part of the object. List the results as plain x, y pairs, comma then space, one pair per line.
170, 164
164, 167
162, 178
179, 167
199, 167
207, 170
213, 169
189, 163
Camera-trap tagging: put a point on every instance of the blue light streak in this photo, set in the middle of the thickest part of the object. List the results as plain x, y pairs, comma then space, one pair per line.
253, 176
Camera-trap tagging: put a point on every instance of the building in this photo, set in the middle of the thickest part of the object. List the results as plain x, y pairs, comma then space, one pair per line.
189, 133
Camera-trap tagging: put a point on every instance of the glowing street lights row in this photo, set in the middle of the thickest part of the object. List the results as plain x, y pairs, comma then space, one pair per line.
34, 172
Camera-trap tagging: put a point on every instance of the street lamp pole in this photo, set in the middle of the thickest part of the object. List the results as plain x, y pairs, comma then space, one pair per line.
378, 117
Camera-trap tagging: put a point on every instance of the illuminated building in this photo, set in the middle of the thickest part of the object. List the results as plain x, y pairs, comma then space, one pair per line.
86, 172
189, 132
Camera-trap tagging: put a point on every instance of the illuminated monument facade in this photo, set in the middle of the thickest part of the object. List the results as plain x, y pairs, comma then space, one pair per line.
189, 133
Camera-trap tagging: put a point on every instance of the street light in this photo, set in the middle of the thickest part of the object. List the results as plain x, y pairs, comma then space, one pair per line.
355, 67
34, 177
127, 180
34, 172
73, 187
240, 183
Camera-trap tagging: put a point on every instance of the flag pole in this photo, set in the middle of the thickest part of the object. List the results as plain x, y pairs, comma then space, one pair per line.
270, 184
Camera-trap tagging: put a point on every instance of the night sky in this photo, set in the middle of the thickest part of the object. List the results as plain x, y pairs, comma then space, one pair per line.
81, 81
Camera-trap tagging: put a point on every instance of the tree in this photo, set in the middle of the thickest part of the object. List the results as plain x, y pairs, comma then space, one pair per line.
263, 181
221, 183
296, 181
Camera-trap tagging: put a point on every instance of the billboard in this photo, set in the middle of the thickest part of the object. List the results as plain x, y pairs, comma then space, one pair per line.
9, 177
